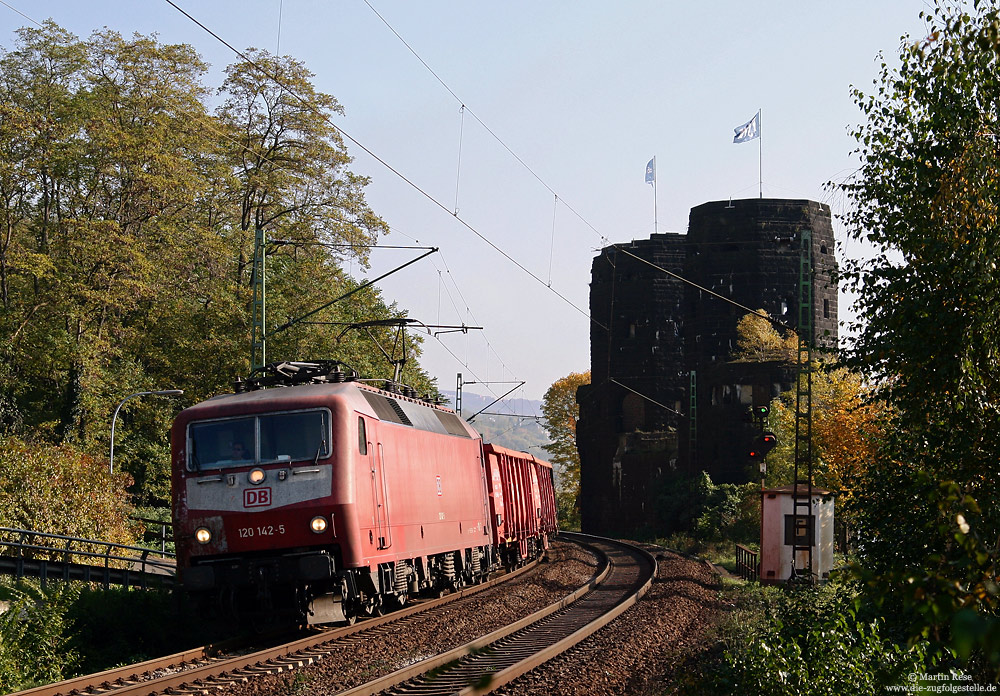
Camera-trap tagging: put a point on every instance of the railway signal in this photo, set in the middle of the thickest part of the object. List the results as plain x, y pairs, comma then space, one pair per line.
762, 444
756, 414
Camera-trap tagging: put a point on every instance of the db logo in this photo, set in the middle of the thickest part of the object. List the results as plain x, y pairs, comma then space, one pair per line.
256, 497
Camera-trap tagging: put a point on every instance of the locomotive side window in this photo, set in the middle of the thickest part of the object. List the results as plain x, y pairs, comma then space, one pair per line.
275, 437
294, 437
362, 436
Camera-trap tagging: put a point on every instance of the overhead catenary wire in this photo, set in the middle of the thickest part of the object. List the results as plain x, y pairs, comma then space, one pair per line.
412, 184
458, 169
406, 179
14, 9
465, 303
265, 157
464, 108
483, 123
431, 198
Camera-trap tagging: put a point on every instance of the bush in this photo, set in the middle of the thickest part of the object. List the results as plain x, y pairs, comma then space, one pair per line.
118, 626
62, 490
34, 647
710, 512
67, 629
812, 641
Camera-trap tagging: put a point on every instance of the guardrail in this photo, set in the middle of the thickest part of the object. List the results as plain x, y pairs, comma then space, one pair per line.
156, 530
28, 553
747, 565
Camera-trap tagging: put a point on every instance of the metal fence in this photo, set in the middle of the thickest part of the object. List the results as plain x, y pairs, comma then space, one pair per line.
747, 565
28, 553
157, 532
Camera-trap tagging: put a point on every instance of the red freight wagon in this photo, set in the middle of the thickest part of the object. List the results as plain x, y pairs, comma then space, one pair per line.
522, 502
322, 500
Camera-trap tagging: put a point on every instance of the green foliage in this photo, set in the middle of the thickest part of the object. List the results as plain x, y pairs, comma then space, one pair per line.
34, 646
68, 629
927, 195
729, 511
118, 626
710, 512
127, 219
811, 641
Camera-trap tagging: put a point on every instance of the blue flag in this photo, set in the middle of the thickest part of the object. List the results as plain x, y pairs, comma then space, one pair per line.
749, 130
651, 171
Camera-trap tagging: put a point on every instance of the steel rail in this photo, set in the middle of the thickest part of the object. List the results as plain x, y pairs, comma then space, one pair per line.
490, 662
139, 679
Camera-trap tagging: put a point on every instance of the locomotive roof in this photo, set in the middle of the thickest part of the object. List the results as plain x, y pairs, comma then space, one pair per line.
376, 403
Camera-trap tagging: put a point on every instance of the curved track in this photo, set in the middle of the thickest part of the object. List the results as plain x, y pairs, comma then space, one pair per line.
499, 658
623, 575
213, 664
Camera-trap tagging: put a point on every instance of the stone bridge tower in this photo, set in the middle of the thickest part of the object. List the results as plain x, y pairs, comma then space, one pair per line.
665, 394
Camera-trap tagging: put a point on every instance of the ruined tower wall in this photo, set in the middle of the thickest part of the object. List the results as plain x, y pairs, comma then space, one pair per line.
651, 331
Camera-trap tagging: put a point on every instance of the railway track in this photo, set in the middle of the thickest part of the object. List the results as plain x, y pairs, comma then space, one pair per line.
207, 664
501, 657
488, 662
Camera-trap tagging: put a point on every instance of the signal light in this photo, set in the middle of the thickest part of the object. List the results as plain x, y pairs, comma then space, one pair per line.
762, 444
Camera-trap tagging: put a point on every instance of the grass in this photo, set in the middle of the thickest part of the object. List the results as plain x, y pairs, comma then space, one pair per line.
721, 553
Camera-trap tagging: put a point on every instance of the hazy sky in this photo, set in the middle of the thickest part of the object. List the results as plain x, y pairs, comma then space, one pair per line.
581, 95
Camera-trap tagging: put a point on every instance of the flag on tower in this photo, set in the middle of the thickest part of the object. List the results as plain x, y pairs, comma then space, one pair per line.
749, 130
651, 171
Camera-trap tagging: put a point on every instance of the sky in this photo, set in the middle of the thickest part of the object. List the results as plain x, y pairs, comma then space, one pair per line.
564, 105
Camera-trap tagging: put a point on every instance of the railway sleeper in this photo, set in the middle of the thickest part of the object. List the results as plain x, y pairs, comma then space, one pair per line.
369, 591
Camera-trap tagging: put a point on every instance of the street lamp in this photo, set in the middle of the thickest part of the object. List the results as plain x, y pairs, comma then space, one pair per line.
163, 392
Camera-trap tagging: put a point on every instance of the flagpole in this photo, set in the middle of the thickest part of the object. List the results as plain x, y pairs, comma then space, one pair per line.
760, 157
656, 222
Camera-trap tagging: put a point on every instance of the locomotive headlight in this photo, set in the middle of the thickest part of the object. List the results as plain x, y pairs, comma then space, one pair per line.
203, 535
256, 476
318, 524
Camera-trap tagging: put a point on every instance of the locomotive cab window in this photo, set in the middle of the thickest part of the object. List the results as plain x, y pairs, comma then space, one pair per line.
295, 436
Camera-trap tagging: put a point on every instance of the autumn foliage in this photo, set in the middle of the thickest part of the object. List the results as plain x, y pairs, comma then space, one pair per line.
561, 413
61, 490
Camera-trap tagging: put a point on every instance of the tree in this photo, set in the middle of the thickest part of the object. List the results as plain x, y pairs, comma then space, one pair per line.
927, 195
289, 160
127, 213
561, 413
847, 427
757, 340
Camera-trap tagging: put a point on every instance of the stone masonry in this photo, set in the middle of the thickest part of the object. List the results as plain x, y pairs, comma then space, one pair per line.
651, 331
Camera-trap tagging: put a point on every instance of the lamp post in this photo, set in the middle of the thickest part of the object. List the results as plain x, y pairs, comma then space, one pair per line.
114, 418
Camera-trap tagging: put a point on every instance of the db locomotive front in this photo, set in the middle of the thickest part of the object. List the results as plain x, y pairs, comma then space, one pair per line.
327, 499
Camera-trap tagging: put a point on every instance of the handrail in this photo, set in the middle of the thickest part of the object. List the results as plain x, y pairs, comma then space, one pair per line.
141, 550
44, 554
163, 536
113, 551
747, 565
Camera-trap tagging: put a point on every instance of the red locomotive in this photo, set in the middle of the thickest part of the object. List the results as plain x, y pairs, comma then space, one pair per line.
326, 498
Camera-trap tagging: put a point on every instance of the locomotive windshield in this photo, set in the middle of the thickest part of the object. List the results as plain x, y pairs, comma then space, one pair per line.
294, 436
